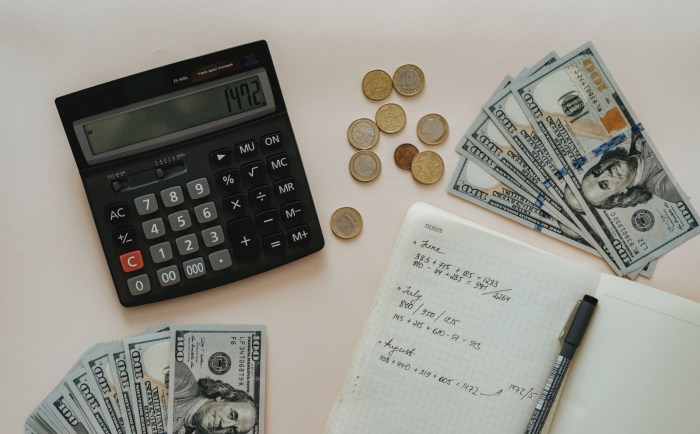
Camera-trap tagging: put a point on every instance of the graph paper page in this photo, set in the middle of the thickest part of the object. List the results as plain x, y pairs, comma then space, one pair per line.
462, 334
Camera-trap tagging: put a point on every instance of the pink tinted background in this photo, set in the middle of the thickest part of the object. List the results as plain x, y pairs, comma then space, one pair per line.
57, 294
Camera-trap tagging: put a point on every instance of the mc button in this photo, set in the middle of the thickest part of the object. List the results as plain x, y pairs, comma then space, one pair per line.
278, 164
117, 212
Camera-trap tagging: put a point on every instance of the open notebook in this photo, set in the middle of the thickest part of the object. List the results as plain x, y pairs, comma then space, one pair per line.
464, 330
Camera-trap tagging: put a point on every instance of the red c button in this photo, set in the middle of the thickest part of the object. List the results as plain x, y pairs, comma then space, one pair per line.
132, 261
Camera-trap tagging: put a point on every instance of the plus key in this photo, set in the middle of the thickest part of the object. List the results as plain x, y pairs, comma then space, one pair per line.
245, 243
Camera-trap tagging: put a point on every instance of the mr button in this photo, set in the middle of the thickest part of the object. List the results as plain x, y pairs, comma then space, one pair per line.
286, 188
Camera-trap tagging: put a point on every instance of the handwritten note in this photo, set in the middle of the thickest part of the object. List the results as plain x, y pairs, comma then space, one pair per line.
462, 334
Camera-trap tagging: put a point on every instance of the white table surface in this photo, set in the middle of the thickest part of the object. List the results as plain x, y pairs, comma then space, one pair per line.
56, 294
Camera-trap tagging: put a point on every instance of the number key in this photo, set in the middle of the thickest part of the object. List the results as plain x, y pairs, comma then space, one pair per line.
194, 268
172, 196
139, 285
146, 204
168, 276
153, 228
198, 188
213, 236
187, 245
161, 252
205, 212
180, 220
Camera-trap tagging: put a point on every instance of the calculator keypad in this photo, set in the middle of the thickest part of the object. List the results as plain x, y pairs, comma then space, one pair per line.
179, 221
161, 252
253, 173
213, 236
235, 204
220, 260
214, 224
131, 261
260, 197
194, 268
187, 245
153, 228
146, 204
139, 285
198, 188
168, 276
205, 212
245, 243
117, 212
125, 238
172, 196
267, 220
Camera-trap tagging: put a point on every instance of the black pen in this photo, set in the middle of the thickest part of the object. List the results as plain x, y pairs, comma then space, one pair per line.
561, 367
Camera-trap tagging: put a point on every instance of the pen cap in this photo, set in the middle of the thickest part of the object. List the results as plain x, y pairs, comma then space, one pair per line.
581, 320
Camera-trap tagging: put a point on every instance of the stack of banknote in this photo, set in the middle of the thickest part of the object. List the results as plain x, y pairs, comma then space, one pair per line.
560, 150
168, 379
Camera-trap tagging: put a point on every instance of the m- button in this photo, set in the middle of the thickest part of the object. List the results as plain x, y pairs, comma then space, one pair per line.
292, 213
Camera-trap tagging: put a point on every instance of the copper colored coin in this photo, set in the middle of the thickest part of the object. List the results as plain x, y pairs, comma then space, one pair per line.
403, 155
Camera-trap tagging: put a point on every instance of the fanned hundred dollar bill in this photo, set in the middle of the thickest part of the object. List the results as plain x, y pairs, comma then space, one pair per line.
472, 183
218, 379
100, 376
512, 122
147, 365
613, 171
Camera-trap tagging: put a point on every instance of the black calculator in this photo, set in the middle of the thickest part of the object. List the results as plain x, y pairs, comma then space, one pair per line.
193, 174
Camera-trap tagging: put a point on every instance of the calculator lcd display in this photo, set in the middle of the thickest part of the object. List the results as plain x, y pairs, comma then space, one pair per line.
174, 115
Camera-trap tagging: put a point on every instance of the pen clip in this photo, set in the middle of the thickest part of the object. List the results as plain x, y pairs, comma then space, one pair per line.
567, 326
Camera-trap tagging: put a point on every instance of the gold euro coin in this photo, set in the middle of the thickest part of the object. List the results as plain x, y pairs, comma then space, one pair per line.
403, 155
432, 129
408, 80
390, 118
346, 222
377, 84
427, 167
365, 166
363, 133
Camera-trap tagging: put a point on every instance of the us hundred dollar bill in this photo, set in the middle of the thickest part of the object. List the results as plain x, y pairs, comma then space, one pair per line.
80, 386
614, 173
218, 382
147, 363
482, 141
100, 375
134, 417
470, 182
64, 410
508, 116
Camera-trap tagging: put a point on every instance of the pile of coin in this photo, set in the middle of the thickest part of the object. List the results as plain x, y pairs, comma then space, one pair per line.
426, 167
363, 134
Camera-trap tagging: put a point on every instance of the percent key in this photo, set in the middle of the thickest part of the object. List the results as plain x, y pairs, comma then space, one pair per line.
227, 180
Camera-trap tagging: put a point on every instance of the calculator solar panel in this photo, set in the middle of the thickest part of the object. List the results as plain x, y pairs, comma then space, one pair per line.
193, 174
